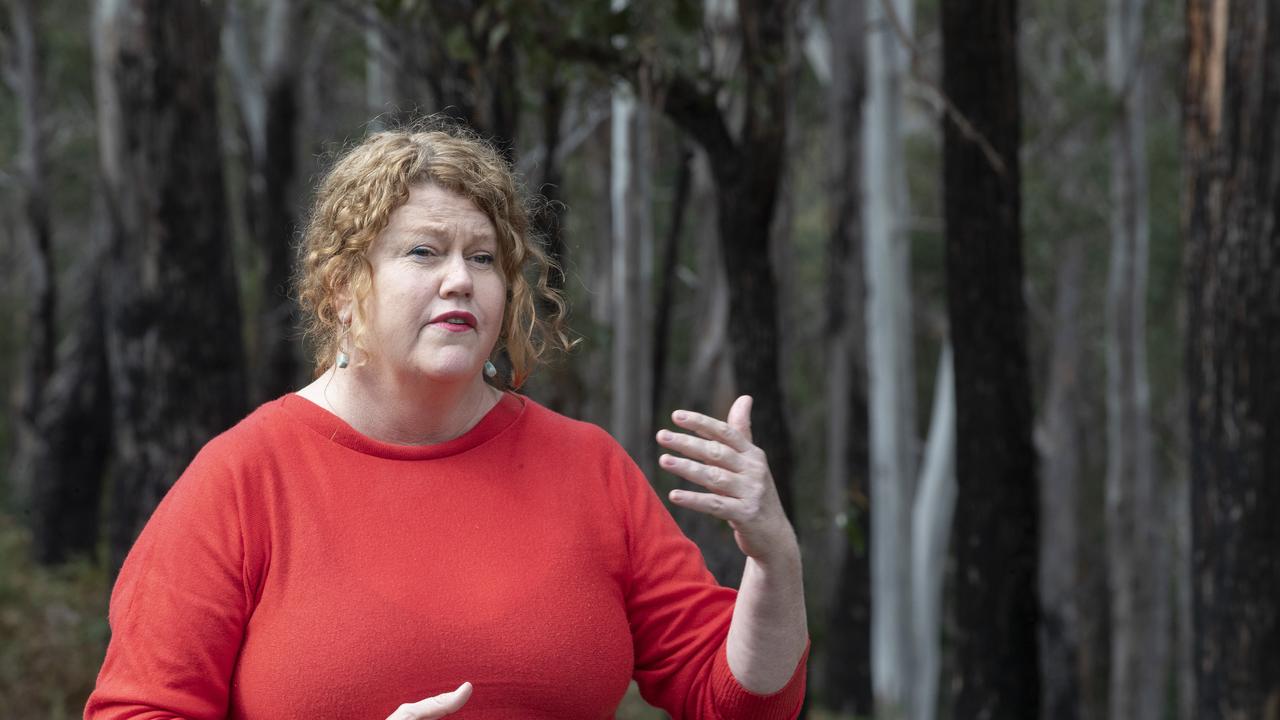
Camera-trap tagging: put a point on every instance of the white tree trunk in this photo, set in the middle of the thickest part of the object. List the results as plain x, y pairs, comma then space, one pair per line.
1136, 547
890, 364
1059, 445
629, 186
934, 505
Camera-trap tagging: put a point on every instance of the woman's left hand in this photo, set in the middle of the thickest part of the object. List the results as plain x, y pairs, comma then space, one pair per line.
724, 460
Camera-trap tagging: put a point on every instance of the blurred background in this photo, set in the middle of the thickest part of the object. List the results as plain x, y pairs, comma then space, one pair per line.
1003, 277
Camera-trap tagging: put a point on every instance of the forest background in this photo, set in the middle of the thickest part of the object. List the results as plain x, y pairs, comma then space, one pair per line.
1003, 277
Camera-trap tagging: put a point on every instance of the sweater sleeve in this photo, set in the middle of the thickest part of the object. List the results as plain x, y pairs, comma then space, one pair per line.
179, 606
680, 619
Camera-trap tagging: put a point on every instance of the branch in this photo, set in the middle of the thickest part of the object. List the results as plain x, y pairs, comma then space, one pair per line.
694, 110
942, 103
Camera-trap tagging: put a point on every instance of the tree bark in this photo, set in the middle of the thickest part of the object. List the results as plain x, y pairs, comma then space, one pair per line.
746, 169
1233, 347
269, 107
890, 361
1136, 545
629, 190
74, 431
931, 515
24, 75
996, 529
847, 655
667, 274
173, 325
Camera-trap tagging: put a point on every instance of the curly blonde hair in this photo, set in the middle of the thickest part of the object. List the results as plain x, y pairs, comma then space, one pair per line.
353, 205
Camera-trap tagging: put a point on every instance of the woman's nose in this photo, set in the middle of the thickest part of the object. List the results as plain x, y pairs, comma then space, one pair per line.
457, 276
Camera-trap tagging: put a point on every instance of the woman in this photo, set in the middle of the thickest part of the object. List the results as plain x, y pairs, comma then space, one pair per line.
402, 526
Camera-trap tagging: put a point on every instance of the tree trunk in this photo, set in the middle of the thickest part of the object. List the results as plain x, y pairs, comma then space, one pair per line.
1233, 348
1060, 449
996, 529
173, 325
268, 104
1136, 544
890, 362
667, 274
271, 185
931, 515
847, 655
632, 373
35, 231
746, 170
75, 431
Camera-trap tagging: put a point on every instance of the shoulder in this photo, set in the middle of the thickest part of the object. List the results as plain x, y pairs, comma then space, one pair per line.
254, 435
550, 426
245, 452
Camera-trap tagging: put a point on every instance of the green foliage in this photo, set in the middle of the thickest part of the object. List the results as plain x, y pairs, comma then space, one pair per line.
54, 626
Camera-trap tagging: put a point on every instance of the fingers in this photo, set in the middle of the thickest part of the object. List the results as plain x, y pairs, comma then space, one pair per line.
716, 479
740, 415
708, 451
713, 429
434, 707
729, 509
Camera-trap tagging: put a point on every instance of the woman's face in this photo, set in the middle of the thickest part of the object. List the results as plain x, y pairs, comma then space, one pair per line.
438, 297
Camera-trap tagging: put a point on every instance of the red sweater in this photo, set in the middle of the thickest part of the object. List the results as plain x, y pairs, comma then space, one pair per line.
299, 569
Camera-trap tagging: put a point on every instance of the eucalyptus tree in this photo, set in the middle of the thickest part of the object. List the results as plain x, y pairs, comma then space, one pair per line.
996, 607
1232, 349
172, 312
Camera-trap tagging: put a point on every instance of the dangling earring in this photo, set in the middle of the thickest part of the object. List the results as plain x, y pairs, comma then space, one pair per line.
343, 358
489, 370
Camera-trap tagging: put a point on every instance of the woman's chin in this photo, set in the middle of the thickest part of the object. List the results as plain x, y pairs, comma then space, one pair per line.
449, 373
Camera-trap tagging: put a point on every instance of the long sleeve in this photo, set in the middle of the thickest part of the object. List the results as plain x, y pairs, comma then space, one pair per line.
179, 606
679, 620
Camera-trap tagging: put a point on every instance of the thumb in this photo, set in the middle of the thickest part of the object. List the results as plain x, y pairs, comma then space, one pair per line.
740, 415
434, 707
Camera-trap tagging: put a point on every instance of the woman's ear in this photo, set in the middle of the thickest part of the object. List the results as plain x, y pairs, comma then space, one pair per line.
342, 303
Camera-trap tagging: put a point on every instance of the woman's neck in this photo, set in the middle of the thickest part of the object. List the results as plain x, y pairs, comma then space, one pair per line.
402, 413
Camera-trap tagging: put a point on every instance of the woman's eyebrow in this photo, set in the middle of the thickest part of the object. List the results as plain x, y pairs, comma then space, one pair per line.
444, 229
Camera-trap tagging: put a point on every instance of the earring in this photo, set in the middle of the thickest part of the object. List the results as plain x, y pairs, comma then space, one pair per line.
489, 369
343, 359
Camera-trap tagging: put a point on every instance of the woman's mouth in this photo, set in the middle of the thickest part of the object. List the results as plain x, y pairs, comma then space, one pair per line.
455, 321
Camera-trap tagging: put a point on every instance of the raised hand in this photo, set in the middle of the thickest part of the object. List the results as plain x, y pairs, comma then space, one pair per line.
724, 460
434, 707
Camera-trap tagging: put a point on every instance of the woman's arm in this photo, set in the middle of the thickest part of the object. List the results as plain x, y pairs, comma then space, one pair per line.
769, 634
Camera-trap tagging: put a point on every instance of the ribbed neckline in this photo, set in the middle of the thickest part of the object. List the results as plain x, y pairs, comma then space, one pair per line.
330, 426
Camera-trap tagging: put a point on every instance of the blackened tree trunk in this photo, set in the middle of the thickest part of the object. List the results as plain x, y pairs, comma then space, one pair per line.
996, 606
667, 275
848, 648
173, 330
747, 170
1233, 350
62, 420
268, 106
73, 425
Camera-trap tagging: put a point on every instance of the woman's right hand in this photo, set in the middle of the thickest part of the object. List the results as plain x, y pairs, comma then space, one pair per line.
434, 707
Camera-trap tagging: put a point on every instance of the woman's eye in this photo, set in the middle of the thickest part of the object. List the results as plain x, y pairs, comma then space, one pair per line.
483, 258
422, 251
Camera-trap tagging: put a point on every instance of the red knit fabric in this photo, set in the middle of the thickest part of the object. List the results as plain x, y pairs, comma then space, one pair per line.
298, 569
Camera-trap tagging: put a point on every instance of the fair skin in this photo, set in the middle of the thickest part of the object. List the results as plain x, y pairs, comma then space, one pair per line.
434, 315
